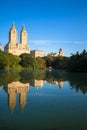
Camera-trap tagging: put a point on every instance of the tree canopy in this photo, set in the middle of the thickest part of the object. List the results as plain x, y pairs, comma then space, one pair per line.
8, 61
78, 62
27, 61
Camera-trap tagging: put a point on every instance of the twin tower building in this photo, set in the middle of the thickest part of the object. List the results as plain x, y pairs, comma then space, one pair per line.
16, 48
13, 46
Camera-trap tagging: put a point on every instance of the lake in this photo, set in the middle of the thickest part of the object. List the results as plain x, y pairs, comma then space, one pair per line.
43, 100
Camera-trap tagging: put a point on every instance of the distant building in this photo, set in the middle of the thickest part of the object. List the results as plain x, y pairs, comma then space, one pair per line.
13, 46
60, 53
37, 53
16, 48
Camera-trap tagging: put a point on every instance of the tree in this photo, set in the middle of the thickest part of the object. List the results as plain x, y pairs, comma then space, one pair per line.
49, 59
60, 62
78, 62
8, 61
41, 62
27, 61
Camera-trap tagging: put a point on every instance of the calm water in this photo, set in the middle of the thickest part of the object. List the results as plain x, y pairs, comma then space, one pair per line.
43, 100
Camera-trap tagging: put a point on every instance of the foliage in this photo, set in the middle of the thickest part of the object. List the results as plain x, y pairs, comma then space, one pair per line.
78, 62
27, 61
49, 59
8, 61
60, 62
41, 62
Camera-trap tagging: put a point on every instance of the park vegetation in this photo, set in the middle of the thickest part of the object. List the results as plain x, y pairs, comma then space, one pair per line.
8, 61
78, 62
75, 63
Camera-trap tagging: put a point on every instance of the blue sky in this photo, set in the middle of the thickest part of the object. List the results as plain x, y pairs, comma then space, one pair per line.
51, 24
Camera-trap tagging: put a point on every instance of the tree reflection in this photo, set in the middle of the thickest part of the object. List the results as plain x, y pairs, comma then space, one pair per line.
20, 82
78, 81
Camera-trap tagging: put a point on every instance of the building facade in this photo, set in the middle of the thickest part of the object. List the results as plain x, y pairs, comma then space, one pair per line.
13, 46
37, 53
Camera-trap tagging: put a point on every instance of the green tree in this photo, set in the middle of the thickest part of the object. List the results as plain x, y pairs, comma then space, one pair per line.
60, 62
8, 61
78, 62
41, 62
49, 59
27, 61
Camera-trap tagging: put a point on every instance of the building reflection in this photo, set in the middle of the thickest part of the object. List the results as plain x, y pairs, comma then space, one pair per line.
17, 87
38, 83
13, 89
59, 83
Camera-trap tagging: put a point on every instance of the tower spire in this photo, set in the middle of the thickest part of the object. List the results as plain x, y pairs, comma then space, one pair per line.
23, 28
13, 23
13, 26
24, 36
13, 34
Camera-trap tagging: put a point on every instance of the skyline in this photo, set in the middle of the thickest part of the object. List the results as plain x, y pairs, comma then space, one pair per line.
51, 24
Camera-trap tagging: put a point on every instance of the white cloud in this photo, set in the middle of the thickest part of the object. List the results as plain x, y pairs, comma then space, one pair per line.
55, 41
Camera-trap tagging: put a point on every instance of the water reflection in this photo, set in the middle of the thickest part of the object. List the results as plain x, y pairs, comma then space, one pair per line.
18, 83
16, 88
43, 100
1, 88
38, 83
60, 83
78, 81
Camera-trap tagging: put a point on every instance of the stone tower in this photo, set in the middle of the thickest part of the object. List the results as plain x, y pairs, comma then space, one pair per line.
13, 46
24, 36
13, 35
61, 53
